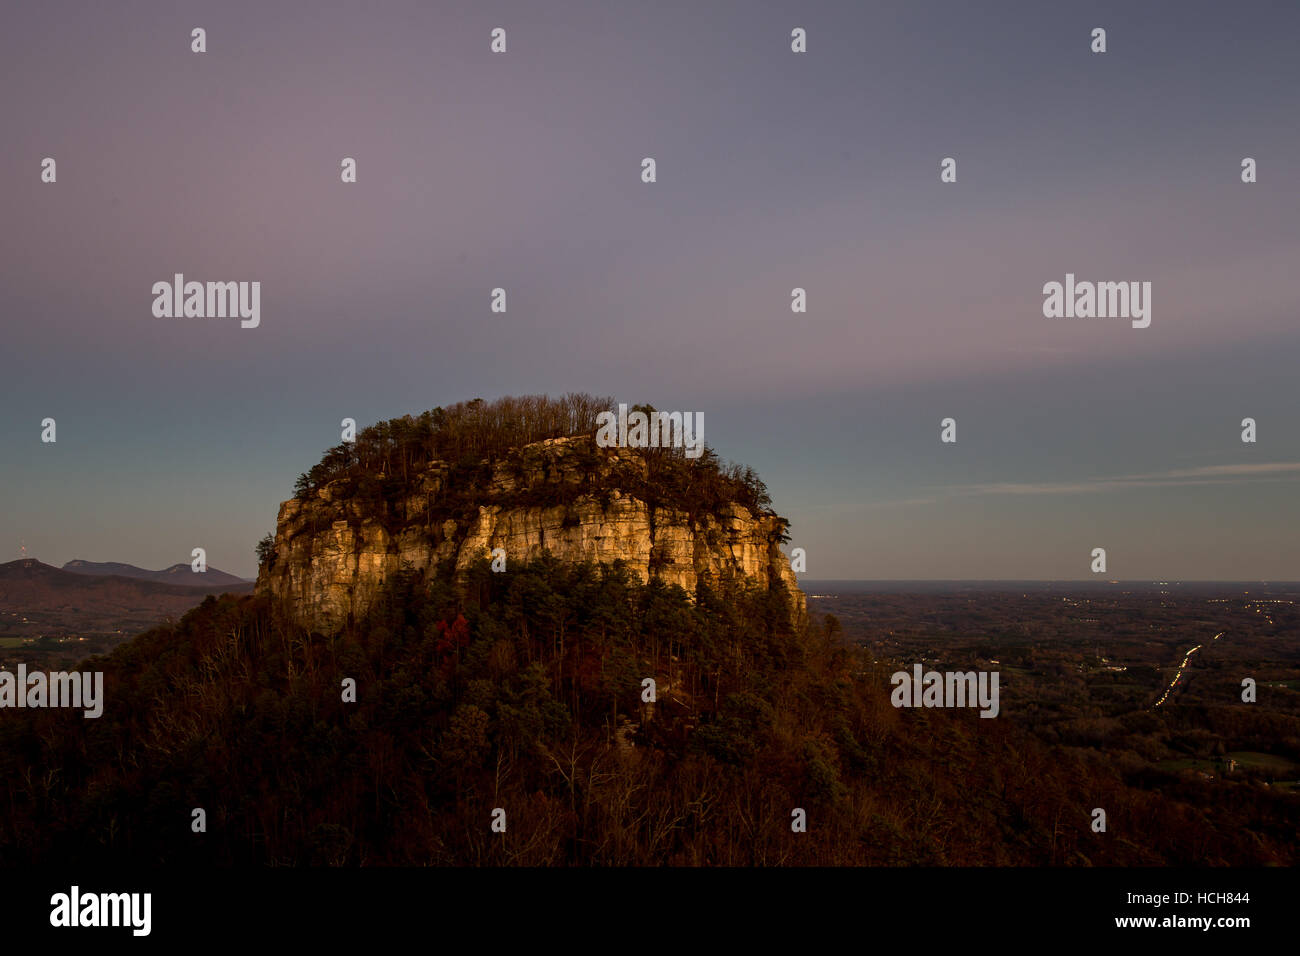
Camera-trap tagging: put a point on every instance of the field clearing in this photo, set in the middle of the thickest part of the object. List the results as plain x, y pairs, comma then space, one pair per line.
1175, 764
1250, 760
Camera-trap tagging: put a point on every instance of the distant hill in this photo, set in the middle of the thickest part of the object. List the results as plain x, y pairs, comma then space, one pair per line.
37, 600
181, 574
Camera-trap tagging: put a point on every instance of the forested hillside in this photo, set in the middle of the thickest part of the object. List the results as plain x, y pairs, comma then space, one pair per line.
523, 691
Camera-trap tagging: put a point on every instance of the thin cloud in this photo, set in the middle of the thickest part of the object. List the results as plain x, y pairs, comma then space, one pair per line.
1204, 475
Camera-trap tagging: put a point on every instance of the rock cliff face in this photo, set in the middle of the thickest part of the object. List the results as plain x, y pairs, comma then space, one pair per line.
333, 551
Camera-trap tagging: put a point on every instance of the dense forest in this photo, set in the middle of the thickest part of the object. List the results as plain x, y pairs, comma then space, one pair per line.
523, 691
467, 432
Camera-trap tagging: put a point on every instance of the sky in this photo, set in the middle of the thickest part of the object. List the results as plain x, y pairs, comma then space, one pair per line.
775, 170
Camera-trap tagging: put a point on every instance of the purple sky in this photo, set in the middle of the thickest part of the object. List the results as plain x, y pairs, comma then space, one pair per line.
775, 170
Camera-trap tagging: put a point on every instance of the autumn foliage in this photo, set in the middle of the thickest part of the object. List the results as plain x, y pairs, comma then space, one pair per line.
524, 691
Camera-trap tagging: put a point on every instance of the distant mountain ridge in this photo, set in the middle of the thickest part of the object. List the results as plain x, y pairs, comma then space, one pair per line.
178, 574
38, 599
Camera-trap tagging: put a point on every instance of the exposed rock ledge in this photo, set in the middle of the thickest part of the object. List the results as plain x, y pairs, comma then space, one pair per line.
333, 552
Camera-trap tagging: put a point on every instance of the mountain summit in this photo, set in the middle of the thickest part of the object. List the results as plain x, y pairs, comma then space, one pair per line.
506, 483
